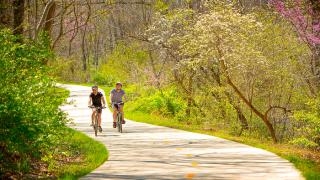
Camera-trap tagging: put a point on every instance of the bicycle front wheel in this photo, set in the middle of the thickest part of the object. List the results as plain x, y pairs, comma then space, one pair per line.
96, 125
119, 123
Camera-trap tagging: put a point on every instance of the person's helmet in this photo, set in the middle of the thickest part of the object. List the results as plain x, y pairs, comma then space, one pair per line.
94, 87
119, 83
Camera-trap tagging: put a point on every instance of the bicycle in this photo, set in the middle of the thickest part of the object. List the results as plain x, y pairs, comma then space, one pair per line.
119, 116
95, 121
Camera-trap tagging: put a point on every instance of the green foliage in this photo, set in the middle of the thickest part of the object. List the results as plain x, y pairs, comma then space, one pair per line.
161, 6
67, 69
102, 78
30, 119
257, 51
92, 154
33, 130
124, 64
307, 122
304, 143
310, 169
165, 103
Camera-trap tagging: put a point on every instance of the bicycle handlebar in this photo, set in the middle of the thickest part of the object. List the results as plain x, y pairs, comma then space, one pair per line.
119, 103
97, 107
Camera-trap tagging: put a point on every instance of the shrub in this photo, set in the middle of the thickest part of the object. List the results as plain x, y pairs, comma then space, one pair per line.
304, 142
103, 79
307, 120
30, 120
70, 69
166, 103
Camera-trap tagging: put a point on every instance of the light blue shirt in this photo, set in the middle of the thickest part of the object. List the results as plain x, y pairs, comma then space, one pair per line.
117, 96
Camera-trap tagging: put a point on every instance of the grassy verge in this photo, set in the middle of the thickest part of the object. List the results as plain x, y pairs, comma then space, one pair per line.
80, 153
87, 154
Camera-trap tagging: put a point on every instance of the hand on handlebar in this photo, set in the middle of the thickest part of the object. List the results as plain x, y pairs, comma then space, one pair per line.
102, 107
120, 103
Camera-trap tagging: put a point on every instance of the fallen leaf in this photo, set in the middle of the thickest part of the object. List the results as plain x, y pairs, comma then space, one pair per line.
194, 164
190, 175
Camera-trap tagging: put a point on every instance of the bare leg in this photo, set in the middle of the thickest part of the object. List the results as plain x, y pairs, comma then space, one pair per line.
114, 114
93, 115
99, 118
121, 110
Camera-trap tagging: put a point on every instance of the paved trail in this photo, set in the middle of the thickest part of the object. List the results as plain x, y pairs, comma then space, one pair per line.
145, 151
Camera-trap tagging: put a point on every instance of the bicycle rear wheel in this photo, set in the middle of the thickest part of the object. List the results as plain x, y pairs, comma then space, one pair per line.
96, 125
119, 123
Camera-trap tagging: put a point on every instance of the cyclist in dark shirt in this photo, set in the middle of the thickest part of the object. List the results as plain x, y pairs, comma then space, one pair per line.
96, 99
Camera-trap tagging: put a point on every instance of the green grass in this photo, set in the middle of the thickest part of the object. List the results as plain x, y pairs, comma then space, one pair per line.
86, 154
92, 155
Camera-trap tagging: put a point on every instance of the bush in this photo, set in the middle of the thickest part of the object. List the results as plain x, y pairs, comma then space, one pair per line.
304, 143
30, 120
165, 103
307, 120
103, 79
125, 64
70, 69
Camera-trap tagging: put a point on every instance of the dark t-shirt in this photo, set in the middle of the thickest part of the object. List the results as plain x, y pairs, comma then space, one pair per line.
96, 99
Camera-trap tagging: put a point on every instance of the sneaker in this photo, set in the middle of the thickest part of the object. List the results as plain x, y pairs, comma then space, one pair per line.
91, 124
114, 124
123, 121
100, 129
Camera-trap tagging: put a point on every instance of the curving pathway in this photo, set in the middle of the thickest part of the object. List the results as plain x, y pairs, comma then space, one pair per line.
146, 151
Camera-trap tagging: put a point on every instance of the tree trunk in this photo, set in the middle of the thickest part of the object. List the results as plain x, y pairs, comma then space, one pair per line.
189, 96
264, 117
6, 13
254, 109
242, 118
84, 54
50, 18
195, 5
96, 50
113, 37
12, 15
47, 18
18, 16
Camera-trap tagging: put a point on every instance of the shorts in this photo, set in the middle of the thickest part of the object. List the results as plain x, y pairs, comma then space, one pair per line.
114, 105
99, 110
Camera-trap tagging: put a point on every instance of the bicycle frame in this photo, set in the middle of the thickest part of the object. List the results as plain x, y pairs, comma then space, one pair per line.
119, 117
96, 117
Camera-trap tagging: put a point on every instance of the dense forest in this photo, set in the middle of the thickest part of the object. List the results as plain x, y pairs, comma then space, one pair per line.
249, 68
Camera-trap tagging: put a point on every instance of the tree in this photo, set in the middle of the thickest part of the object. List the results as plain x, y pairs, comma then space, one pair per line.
305, 17
220, 41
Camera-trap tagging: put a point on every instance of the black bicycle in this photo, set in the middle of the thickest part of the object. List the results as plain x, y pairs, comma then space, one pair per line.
119, 116
95, 120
